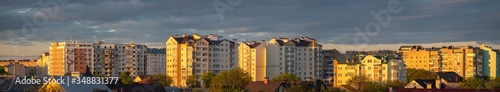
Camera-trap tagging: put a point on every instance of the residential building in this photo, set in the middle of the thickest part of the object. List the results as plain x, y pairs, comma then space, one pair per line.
252, 59
329, 56
265, 86
155, 61
25, 62
114, 59
300, 56
105, 59
192, 55
418, 57
43, 64
376, 68
70, 56
490, 65
464, 60
445, 80
375, 53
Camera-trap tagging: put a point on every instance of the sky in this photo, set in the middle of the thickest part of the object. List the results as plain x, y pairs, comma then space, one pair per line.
28, 27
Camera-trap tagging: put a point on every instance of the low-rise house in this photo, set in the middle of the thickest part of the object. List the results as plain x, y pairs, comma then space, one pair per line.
266, 86
141, 79
445, 80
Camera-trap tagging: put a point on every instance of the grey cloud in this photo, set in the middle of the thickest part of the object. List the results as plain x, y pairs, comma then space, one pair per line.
152, 21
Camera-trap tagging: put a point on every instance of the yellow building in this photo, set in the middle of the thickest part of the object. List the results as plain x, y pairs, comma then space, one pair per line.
43, 63
418, 57
192, 55
252, 59
70, 56
466, 61
376, 68
490, 65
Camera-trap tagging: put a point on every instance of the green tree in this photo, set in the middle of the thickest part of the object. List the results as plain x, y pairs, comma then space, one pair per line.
160, 80
126, 78
473, 83
493, 84
412, 74
2, 71
193, 82
286, 77
233, 80
396, 84
362, 81
206, 77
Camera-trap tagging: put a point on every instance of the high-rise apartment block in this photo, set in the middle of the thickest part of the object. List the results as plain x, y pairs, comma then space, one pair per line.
490, 61
192, 55
70, 56
155, 61
467, 61
43, 64
252, 59
100, 58
418, 57
114, 59
300, 56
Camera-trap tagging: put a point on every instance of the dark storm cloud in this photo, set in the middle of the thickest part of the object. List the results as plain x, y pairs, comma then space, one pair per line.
329, 21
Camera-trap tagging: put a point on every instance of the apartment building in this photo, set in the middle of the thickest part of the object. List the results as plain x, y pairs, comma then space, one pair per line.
418, 57
114, 59
100, 58
490, 61
300, 56
43, 64
252, 59
467, 61
70, 56
155, 61
376, 68
192, 55
329, 56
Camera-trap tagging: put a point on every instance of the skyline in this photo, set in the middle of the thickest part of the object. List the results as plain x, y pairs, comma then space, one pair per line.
332, 23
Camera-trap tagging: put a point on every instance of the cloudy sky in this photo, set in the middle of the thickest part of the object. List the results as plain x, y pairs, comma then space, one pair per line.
27, 27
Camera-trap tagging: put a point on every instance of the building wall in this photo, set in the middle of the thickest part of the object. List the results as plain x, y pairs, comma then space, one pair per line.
378, 69
490, 65
192, 55
464, 60
420, 58
64, 56
156, 61
299, 56
252, 59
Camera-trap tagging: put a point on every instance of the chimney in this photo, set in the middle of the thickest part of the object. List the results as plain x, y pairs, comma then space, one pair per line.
266, 80
429, 85
308, 79
457, 78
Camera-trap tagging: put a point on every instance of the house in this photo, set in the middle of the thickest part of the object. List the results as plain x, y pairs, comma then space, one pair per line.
445, 80
450, 79
141, 79
137, 88
266, 85
72, 87
425, 84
